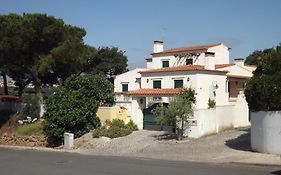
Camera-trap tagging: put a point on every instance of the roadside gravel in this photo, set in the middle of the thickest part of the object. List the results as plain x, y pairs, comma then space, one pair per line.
225, 147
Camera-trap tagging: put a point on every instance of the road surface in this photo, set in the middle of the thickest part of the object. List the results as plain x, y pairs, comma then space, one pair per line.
30, 162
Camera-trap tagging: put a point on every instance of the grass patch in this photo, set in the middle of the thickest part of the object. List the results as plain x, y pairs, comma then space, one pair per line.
35, 128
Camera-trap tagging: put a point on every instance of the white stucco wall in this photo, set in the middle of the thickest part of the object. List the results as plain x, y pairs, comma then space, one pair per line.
211, 121
221, 54
221, 57
129, 77
167, 79
205, 89
266, 131
237, 70
137, 108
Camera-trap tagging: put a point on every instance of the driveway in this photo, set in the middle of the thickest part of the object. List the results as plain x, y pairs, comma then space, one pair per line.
227, 146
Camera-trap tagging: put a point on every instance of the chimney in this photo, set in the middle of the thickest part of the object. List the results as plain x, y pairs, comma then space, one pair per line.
239, 61
210, 63
158, 46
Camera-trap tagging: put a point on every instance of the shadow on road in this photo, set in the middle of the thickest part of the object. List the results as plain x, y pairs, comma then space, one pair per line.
242, 142
166, 136
276, 172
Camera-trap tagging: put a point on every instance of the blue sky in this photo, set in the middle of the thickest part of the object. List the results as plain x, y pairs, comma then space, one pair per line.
131, 25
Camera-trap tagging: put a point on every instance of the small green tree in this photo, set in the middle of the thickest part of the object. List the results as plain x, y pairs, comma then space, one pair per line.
72, 108
177, 112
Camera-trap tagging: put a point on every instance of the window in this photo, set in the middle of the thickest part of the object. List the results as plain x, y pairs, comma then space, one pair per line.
178, 83
189, 61
157, 84
124, 87
165, 63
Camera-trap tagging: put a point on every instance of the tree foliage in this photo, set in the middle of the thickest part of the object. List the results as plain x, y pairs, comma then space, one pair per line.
178, 110
72, 108
257, 55
263, 90
35, 48
108, 60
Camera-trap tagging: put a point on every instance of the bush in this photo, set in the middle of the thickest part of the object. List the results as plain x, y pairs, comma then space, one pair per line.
263, 90
30, 107
211, 104
115, 132
118, 123
72, 108
132, 126
118, 129
30, 129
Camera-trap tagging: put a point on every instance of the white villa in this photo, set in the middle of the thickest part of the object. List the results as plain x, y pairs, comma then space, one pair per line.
204, 68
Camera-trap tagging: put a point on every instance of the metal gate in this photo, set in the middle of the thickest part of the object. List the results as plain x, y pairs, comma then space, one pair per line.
150, 123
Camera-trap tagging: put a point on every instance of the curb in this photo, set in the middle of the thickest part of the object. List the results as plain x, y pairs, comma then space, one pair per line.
256, 164
38, 148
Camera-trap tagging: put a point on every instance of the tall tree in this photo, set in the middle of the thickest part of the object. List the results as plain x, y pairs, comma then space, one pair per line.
108, 60
38, 46
11, 44
263, 90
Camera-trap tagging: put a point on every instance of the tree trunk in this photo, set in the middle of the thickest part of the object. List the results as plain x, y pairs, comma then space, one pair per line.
39, 94
20, 91
6, 92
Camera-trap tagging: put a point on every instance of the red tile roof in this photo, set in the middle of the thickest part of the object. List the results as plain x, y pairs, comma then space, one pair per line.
155, 91
189, 67
238, 76
174, 69
248, 65
187, 49
218, 66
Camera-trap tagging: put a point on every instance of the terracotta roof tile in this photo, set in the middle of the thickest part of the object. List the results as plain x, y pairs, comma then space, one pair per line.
144, 91
249, 65
187, 49
189, 67
174, 69
238, 76
219, 66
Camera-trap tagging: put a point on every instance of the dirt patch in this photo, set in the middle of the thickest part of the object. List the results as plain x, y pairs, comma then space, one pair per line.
9, 126
9, 137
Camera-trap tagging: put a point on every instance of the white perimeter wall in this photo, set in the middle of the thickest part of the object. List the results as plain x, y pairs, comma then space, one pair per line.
266, 131
210, 121
137, 108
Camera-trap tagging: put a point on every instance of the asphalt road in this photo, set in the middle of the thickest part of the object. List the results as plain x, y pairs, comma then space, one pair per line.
29, 162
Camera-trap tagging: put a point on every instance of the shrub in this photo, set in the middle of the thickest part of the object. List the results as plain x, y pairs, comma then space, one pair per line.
30, 107
118, 123
72, 108
30, 129
98, 132
211, 104
132, 126
118, 129
115, 132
